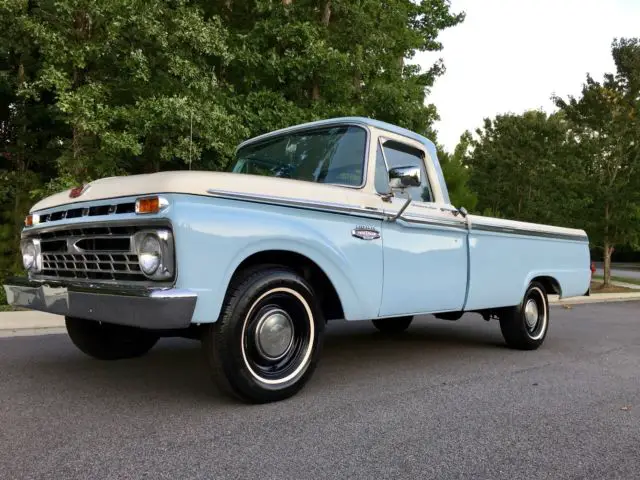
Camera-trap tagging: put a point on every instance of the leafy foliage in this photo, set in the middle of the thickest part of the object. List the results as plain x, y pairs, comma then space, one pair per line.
522, 165
579, 167
606, 122
456, 174
91, 89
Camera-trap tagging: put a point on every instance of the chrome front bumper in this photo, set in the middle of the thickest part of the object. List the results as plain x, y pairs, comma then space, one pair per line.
150, 308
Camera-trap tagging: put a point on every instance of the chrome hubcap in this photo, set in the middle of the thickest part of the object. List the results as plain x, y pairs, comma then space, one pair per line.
274, 334
531, 314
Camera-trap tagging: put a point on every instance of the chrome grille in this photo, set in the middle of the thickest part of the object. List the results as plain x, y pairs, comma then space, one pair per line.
102, 253
104, 266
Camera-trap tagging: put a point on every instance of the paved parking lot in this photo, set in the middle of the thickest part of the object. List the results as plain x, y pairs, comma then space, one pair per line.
624, 270
445, 400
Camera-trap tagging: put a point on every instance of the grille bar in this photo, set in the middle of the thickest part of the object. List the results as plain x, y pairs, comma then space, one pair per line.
88, 244
76, 212
93, 232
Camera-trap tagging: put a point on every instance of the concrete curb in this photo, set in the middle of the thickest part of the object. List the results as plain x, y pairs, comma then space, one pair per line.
24, 332
40, 323
595, 298
616, 283
30, 323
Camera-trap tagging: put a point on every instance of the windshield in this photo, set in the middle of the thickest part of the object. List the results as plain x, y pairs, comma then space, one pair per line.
322, 155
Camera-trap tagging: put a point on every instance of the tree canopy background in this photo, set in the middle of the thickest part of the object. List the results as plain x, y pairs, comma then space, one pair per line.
94, 88
578, 167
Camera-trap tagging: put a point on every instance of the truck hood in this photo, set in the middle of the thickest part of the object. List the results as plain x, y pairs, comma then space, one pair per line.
196, 183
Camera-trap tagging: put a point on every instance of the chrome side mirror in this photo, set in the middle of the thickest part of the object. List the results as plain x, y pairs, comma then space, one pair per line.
403, 177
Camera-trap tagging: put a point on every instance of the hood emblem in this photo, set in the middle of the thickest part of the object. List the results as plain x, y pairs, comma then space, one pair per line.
77, 191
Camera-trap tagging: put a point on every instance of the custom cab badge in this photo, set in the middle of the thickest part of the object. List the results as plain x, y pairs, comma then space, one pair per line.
365, 232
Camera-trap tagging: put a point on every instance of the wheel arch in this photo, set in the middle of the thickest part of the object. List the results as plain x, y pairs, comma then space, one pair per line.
551, 284
330, 301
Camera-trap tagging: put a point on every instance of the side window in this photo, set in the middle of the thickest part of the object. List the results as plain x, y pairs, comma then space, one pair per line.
401, 155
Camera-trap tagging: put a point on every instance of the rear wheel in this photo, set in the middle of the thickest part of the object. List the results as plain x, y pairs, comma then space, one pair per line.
106, 341
392, 325
268, 339
524, 327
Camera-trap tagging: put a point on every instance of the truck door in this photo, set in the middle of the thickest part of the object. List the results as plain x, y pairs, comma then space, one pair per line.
425, 250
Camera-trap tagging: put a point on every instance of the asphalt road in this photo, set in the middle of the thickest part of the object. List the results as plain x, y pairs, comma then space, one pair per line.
624, 271
445, 400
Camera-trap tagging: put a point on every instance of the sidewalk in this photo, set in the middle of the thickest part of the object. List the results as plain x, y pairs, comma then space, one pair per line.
39, 323
30, 323
595, 298
633, 286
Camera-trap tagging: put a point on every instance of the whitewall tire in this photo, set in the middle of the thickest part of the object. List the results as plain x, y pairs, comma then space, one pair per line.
267, 342
525, 326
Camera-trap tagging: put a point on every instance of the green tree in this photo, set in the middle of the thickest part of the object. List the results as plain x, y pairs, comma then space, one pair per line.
91, 89
27, 132
525, 167
135, 83
606, 121
377, 39
456, 174
301, 60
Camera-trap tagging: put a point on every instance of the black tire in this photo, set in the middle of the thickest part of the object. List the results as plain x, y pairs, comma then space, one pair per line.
519, 333
106, 341
239, 365
392, 325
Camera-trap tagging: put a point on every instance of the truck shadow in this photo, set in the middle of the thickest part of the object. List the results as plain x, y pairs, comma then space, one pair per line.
175, 372
358, 346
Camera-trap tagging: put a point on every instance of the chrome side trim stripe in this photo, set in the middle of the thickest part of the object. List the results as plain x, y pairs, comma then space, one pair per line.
434, 222
343, 208
528, 232
289, 202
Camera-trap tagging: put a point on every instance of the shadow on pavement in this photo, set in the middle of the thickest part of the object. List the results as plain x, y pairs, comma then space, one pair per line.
175, 370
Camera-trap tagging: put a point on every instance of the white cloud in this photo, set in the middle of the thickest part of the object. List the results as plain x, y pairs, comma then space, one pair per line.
513, 55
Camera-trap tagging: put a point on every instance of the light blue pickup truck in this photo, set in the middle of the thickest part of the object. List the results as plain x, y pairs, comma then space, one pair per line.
346, 218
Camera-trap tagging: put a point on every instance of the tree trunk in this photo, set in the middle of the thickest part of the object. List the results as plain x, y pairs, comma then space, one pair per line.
20, 160
326, 18
608, 250
357, 83
315, 91
326, 13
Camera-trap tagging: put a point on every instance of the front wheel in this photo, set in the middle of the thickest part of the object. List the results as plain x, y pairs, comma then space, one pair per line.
267, 342
524, 327
392, 325
106, 341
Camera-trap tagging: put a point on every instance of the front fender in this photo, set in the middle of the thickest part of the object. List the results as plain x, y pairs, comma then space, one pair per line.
214, 236
326, 256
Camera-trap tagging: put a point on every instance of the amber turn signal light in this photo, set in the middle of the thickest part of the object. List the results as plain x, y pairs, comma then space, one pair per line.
148, 205
28, 221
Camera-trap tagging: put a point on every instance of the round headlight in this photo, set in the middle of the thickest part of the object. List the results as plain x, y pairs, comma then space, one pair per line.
29, 255
149, 254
